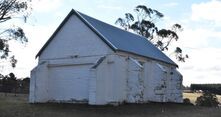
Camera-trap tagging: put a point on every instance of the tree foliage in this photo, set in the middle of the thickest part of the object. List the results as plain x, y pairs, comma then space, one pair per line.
11, 84
207, 99
144, 24
12, 9
213, 88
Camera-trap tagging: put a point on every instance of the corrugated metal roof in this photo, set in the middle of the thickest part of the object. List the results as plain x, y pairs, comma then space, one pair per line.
126, 41
118, 39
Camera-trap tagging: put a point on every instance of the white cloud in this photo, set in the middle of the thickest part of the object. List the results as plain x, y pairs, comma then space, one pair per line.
46, 5
207, 11
202, 67
200, 40
204, 64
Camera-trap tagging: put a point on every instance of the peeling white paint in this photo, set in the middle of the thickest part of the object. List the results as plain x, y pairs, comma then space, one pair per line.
135, 82
115, 80
70, 70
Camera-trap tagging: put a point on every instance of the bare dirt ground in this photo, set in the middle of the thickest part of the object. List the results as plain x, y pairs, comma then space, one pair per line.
17, 106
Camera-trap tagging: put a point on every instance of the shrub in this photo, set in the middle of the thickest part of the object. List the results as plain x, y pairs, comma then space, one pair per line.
207, 99
187, 101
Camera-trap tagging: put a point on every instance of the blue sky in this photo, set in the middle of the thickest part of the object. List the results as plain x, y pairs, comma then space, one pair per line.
201, 37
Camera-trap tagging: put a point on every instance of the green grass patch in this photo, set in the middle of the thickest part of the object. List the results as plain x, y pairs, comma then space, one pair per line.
17, 106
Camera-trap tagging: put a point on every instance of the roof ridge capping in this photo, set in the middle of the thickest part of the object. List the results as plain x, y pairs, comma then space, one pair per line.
95, 30
105, 37
79, 13
117, 39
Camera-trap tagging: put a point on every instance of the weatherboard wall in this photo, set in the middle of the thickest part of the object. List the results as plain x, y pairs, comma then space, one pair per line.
110, 81
74, 39
39, 84
115, 80
66, 71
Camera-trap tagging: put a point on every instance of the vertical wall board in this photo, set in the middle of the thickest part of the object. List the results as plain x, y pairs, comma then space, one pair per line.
41, 83
92, 87
149, 75
111, 81
170, 86
147, 79
32, 86
120, 78
69, 83
101, 76
177, 87
156, 84
110, 84
135, 81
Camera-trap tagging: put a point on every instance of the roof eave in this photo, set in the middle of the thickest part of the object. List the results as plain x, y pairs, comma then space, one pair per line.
54, 34
174, 64
115, 49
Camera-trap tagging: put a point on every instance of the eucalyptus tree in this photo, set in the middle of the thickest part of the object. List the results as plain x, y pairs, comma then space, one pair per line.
144, 24
12, 9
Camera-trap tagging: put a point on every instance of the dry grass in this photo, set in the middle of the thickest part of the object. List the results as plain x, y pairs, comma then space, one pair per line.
11, 106
193, 96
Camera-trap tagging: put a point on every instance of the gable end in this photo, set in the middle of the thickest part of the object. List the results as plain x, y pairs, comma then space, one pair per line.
85, 22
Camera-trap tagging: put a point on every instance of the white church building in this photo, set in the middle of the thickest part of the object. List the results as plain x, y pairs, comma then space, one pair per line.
89, 61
